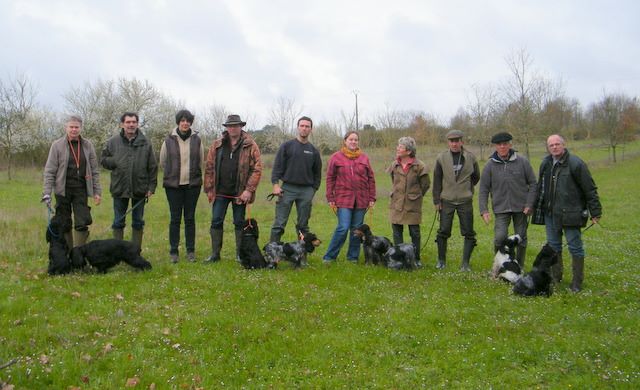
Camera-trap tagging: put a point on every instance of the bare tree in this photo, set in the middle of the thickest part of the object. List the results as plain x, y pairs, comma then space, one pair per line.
616, 116
283, 116
525, 94
209, 121
483, 107
17, 100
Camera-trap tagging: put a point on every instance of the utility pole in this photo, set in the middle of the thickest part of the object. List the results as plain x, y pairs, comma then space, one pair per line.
355, 93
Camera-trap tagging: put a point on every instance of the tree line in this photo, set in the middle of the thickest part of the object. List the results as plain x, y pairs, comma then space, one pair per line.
526, 103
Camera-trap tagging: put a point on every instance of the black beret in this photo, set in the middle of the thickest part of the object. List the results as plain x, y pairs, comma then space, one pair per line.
501, 137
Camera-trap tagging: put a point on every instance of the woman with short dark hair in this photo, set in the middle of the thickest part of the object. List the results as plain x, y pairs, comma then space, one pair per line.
181, 158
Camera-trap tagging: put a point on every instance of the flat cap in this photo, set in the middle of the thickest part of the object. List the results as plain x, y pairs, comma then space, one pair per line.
501, 137
454, 134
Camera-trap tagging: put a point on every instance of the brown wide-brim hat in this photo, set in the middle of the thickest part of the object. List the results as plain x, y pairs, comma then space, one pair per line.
232, 120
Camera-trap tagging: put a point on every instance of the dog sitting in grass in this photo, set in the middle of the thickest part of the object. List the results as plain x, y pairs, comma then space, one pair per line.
505, 266
59, 263
294, 252
105, 254
538, 281
249, 252
374, 247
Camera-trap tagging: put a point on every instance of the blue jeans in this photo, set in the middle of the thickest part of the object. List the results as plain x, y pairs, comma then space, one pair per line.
120, 206
348, 219
554, 237
219, 211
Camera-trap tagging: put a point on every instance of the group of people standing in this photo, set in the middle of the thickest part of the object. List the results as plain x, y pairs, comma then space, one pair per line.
565, 194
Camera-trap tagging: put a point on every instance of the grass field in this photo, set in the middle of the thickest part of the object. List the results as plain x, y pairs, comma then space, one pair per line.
326, 326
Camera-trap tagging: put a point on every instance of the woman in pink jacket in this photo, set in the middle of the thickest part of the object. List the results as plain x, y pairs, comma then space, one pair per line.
351, 190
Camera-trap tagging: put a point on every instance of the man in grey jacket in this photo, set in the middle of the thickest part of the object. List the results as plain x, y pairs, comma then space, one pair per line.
510, 181
72, 174
129, 156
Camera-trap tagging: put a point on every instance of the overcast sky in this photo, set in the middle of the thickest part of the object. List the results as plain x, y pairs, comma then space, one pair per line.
244, 54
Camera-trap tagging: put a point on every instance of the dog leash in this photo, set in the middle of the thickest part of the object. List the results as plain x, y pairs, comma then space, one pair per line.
435, 216
582, 232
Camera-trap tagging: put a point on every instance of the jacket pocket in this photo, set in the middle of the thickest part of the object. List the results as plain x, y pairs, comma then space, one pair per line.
573, 217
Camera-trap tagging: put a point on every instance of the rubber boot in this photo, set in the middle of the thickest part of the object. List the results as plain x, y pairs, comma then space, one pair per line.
556, 269
442, 252
521, 255
136, 237
238, 241
415, 240
118, 234
80, 237
68, 237
216, 245
577, 265
466, 254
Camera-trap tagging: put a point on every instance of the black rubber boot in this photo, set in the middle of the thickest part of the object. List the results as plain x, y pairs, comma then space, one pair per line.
577, 266
466, 254
557, 269
442, 252
216, 245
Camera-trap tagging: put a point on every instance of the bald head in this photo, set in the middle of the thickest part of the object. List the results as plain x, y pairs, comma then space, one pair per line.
555, 146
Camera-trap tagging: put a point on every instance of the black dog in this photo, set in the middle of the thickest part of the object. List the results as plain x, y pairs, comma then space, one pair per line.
538, 281
401, 256
104, 254
59, 263
505, 266
374, 247
294, 252
249, 252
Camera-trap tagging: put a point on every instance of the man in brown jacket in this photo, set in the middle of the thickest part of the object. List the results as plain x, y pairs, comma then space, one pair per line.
231, 175
454, 176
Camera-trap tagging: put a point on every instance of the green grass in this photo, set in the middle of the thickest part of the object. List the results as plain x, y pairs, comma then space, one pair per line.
341, 325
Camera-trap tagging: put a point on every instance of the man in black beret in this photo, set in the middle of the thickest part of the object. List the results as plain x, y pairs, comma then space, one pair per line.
510, 181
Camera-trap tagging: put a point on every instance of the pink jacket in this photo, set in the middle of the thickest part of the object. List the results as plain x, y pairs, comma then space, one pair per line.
350, 183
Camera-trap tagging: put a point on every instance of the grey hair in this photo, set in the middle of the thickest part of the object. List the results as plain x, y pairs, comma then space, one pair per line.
409, 143
73, 118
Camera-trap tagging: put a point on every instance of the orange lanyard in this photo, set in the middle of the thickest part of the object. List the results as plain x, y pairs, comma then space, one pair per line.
76, 157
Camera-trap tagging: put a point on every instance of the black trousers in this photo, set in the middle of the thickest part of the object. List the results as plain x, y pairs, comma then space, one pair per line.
182, 201
74, 202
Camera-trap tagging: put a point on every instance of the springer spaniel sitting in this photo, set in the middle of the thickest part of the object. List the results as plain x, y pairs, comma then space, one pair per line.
505, 266
294, 252
374, 247
539, 280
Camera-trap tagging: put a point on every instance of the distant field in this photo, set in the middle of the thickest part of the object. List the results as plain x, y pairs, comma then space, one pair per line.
342, 325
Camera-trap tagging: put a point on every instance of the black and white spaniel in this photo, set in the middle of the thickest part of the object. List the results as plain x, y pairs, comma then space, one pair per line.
505, 266
294, 252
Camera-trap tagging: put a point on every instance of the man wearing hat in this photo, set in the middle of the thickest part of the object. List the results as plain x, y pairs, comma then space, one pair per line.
510, 181
455, 174
231, 175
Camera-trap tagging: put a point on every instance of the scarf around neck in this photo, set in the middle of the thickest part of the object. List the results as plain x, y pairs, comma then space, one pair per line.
351, 155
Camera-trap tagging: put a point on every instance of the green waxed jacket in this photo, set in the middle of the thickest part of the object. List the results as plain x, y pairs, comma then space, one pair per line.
133, 166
